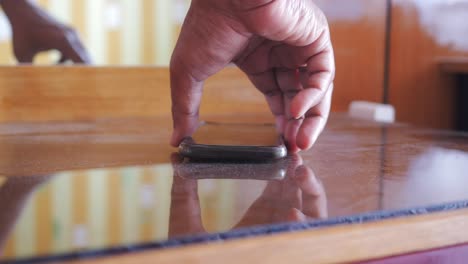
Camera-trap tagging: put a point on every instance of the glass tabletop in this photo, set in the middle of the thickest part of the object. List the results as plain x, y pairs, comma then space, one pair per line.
109, 186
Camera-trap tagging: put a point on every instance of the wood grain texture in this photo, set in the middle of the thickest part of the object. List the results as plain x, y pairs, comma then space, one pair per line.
51, 93
79, 93
348, 243
358, 41
421, 93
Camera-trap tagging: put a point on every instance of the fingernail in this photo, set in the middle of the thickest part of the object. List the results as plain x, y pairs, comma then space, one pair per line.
174, 139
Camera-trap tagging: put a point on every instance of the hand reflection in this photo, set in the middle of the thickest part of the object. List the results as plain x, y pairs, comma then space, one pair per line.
300, 196
184, 205
14, 194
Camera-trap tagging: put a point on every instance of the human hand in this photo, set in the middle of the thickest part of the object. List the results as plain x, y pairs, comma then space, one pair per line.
284, 48
35, 31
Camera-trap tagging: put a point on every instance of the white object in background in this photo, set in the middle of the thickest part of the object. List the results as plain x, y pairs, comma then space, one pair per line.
80, 236
372, 111
61, 10
147, 196
5, 29
113, 16
181, 8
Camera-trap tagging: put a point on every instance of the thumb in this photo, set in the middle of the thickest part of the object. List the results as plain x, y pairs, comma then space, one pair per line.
186, 93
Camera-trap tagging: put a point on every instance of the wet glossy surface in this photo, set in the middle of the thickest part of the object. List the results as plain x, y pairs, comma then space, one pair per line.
115, 183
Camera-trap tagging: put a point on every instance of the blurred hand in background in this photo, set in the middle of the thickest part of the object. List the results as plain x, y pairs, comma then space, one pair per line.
35, 31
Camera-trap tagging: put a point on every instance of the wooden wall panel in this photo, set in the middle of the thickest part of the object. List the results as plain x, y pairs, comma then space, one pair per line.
422, 31
358, 35
421, 93
74, 93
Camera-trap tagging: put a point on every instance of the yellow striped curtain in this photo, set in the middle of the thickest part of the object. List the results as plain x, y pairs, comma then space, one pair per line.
127, 32
104, 208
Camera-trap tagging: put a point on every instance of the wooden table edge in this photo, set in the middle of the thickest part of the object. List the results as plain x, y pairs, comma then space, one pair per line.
346, 243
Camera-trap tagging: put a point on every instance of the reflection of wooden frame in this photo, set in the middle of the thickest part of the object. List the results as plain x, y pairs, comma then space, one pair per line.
348, 243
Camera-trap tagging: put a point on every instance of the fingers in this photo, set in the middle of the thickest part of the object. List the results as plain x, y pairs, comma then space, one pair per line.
75, 53
56, 37
72, 48
314, 200
314, 122
205, 46
291, 130
302, 132
267, 84
255, 63
185, 205
295, 215
186, 93
309, 108
304, 75
293, 161
289, 82
288, 93
316, 79
292, 77
23, 51
307, 181
24, 57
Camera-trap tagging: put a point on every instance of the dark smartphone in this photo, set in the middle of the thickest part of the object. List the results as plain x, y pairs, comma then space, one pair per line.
241, 142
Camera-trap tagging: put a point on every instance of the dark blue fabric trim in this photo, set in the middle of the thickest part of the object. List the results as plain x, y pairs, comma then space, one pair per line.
248, 232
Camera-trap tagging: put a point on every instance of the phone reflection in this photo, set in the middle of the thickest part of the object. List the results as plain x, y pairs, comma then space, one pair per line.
292, 194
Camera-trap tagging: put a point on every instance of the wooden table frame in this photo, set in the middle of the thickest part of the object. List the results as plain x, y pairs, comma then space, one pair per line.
346, 243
